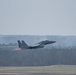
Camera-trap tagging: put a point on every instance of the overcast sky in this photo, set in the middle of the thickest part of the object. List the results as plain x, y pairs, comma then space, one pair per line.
38, 17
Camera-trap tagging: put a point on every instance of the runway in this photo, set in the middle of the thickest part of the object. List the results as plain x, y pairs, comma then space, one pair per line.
35, 74
44, 70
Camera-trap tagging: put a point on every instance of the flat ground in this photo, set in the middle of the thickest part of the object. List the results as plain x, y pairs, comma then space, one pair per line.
43, 70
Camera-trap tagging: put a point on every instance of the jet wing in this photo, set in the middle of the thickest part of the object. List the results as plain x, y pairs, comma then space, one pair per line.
37, 44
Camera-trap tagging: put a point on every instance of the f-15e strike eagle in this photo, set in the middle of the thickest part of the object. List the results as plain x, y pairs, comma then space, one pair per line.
22, 45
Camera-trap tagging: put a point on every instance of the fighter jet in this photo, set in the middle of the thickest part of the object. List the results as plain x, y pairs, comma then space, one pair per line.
22, 45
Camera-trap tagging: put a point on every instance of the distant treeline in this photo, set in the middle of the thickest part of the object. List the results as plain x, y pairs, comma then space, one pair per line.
38, 57
61, 52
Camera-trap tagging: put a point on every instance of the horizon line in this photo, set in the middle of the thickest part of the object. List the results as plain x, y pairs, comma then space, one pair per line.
35, 35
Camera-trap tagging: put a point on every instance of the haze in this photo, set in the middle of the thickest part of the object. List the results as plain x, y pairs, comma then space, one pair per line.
38, 17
